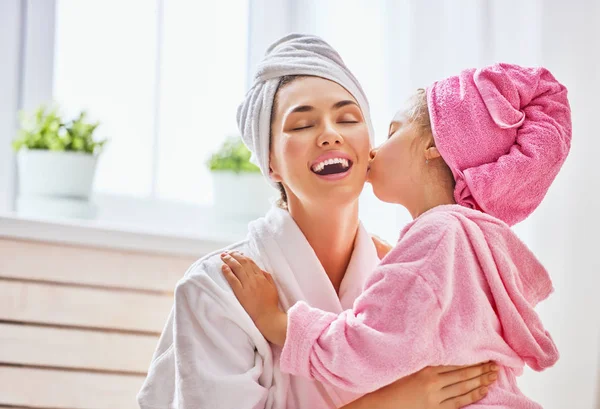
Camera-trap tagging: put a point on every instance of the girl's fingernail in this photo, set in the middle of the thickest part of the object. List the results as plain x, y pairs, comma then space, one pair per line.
494, 367
484, 391
492, 377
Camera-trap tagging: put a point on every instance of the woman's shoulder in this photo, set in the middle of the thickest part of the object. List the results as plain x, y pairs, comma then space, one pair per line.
206, 271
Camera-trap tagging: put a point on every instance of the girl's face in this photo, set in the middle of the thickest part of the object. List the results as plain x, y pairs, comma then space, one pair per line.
320, 143
398, 165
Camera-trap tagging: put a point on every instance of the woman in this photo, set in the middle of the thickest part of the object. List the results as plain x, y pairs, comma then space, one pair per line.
302, 109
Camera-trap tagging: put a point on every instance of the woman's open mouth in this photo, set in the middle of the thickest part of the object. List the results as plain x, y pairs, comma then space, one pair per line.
333, 168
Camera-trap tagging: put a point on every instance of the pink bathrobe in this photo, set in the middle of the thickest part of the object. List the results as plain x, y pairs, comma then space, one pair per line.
458, 288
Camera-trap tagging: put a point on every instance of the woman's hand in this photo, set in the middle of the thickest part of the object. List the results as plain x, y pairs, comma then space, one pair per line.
382, 246
256, 291
433, 388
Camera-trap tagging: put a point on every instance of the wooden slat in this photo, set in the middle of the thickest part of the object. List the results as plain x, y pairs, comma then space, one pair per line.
82, 265
72, 348
83, 307
63, 389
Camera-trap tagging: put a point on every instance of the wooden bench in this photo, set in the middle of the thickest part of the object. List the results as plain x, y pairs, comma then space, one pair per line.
79, 325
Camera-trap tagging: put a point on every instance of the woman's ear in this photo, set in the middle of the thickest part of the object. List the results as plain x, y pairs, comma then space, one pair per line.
432, 153
273, 173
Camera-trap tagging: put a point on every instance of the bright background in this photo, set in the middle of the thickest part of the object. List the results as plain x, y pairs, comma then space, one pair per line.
165, 76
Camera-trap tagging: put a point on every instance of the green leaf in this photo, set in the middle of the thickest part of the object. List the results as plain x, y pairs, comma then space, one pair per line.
45, 129
232, 156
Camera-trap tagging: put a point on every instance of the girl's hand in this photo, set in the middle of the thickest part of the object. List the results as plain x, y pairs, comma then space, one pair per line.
256, 291
433, 388
382, 246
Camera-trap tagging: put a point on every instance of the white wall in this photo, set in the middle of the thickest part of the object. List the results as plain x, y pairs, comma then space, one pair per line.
10, 51
564, 231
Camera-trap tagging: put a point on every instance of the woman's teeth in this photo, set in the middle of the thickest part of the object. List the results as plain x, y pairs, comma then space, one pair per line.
334, 161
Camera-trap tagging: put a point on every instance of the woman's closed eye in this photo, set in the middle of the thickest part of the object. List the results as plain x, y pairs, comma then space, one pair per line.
301, 127
349, 118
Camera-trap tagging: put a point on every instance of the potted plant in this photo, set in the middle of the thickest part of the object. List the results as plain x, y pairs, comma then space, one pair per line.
239, 189
56, 161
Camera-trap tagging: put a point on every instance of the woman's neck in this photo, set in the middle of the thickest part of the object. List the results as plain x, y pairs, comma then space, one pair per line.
331, 233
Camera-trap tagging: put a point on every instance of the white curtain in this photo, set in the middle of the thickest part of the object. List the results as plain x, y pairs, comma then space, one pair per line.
395, 47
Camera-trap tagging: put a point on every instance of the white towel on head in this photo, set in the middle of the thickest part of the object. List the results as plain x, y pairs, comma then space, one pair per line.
294, 54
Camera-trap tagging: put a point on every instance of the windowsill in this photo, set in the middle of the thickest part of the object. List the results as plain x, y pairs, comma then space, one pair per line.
209, 235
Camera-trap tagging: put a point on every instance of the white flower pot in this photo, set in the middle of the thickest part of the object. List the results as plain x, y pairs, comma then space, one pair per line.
52, 173
55, 184
241, 196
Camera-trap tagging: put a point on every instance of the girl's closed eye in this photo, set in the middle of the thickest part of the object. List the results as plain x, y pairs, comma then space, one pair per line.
394, 127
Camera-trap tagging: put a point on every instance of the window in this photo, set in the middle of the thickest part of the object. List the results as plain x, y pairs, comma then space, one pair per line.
164, 78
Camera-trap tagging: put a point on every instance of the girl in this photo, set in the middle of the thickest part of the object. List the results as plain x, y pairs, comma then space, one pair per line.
473, 155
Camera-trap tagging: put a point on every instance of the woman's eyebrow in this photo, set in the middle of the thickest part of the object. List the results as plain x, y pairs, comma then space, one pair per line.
301, 108
308, 108
343, 103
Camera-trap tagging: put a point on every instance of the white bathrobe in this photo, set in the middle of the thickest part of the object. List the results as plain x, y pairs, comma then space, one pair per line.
211, 356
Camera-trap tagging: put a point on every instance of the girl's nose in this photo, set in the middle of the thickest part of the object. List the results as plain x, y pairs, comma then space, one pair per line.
373, 153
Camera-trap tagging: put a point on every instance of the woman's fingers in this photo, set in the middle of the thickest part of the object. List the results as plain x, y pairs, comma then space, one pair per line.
466, 399
454, 374
381, 246
467, 386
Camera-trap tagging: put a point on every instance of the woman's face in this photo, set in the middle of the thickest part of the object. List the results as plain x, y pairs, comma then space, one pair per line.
320, 143
397, 165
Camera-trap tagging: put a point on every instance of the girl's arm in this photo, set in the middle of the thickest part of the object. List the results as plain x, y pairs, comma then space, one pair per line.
391, 332
393, 329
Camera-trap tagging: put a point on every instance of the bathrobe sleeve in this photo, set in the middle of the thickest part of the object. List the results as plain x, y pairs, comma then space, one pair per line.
393, 329
205, 357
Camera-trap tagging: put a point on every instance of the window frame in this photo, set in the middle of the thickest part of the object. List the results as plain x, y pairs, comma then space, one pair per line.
29, 52
32, 72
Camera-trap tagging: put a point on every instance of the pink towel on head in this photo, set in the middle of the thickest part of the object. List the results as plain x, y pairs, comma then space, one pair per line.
504, 131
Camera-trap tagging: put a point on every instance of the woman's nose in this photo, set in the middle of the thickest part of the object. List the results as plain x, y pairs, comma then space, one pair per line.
330, 137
